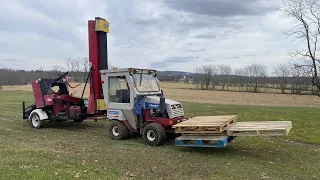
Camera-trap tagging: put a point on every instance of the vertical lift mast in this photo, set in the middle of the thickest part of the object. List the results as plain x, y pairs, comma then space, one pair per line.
98, 58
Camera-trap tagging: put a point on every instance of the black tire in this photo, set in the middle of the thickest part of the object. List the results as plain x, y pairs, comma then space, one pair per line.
154, 134
118, 130
35, 120
77, 120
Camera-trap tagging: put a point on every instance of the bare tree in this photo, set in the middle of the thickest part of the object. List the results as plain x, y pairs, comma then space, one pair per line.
208, 71
297, 74
198, 77
211, 71
85, 64
302, 73
241, 77
306, 27
69, 64
224, 71
282, 72
57, 68
204, 76
76, 62
256, 72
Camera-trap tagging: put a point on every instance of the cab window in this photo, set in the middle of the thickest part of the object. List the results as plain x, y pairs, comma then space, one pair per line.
119, 91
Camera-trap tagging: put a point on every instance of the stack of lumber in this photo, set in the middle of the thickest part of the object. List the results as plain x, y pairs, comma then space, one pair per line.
205, 124
260, 128
220, 130
205, 131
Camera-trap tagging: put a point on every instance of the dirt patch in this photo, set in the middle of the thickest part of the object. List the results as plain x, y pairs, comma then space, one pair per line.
216, 97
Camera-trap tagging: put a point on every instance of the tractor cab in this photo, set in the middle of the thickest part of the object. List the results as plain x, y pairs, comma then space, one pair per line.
122, 86
134, 97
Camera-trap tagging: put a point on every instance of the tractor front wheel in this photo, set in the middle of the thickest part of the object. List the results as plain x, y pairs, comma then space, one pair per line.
118, 130
35, 120
154, 134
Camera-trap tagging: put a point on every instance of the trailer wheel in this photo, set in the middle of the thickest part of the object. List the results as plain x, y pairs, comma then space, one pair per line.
35, 120
154, 134
78, 120
118, 130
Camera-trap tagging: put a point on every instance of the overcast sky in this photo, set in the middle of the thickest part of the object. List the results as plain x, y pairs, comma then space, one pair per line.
162, 34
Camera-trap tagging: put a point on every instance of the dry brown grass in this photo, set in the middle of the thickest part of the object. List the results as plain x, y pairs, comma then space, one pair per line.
171, 85
173, 91
242, 98
188, 92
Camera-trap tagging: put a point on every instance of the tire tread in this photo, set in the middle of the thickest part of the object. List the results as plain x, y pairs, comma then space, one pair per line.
159, 130
123, 130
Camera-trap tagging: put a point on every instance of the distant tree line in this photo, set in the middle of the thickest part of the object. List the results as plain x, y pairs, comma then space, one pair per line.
78, 70
77, 67
22, 77
287, 78
293, 78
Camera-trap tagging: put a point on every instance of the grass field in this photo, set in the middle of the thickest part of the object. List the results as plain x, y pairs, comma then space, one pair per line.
85, 151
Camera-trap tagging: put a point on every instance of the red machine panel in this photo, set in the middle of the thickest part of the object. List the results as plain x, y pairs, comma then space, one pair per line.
37, 93
48, 100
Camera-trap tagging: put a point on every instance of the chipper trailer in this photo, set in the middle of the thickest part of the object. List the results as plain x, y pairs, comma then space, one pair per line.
134, 101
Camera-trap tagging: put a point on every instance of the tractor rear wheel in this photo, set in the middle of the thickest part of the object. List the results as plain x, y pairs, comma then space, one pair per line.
118, 130
154, 134
35, 120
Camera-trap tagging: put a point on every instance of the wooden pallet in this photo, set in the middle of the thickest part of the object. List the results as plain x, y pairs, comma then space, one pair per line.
203, 141
205, 124
260, 128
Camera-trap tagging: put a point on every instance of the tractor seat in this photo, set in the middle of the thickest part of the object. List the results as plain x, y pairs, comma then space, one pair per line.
123, 95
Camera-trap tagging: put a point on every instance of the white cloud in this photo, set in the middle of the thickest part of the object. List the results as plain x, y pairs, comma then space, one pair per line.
144, 33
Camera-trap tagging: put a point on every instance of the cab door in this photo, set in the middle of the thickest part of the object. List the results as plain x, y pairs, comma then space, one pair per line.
119, 95
118, 91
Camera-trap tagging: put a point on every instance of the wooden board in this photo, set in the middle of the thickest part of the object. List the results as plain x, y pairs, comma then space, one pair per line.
205, 124
205, 138
260, 128
203, 141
